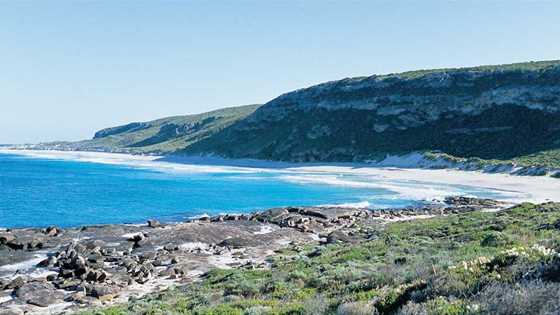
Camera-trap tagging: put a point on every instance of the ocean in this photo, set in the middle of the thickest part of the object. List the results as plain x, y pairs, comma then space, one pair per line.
38, 191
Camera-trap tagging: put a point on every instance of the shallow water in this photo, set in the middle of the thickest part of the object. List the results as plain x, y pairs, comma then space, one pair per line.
38, 191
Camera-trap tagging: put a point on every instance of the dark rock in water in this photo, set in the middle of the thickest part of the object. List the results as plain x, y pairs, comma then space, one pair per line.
52, 231
15, 244
51, 261
171, 247
38, 293
219, 218
137, 237
204, 219
43, 263
154, 223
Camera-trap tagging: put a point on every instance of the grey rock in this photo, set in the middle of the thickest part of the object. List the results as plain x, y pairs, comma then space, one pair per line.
6, 238
154, 224
38, 293
11, 311
14, 284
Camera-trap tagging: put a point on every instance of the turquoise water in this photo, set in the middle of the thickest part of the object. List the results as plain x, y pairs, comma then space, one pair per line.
41, 192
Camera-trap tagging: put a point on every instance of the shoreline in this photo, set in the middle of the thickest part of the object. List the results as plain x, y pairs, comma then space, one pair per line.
407, 182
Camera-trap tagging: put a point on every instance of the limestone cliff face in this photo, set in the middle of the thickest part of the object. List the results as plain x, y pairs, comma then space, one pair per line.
418, 99
488, 112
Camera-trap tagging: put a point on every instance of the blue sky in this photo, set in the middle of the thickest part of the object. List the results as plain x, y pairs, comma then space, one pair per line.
69, 68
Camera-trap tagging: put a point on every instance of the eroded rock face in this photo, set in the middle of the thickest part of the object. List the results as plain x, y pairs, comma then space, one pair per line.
426, 97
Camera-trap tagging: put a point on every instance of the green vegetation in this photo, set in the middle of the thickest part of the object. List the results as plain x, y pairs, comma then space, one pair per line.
473, 263
550, 158
527, 140
164, 135
522, 66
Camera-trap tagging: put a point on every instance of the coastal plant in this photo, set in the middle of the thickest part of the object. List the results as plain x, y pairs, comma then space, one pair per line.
535, 297
356, 308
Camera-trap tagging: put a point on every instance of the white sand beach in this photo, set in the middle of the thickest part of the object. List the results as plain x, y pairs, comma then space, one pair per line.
415, 183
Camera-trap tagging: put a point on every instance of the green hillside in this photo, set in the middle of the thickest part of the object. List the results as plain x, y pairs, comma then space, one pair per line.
164, 135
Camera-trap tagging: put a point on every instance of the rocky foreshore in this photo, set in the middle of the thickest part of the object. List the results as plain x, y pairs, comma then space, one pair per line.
52, 270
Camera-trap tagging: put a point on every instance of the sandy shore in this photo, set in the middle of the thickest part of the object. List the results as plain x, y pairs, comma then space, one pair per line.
420, 184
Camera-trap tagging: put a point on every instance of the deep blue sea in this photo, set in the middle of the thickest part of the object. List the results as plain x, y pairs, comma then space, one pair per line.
37, 191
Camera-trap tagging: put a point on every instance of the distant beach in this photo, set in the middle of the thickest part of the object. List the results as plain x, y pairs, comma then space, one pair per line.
406, 181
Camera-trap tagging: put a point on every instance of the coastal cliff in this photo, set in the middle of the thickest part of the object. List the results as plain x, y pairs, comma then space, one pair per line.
492, 112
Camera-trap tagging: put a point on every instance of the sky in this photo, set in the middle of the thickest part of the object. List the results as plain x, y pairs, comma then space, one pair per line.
69, 68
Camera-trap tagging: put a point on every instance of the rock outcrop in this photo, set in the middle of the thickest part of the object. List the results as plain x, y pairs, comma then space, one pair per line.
96, 264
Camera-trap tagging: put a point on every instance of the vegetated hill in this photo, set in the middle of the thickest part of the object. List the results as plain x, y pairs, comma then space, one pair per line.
164, 135
491, 112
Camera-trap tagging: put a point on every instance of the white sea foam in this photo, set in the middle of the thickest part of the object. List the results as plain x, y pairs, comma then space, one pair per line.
284, 241
352, 205
24, 265
403, 190
199, 216
193, 246
317, 237
131, 235
4, 299
138, 161
266, 229
425, 184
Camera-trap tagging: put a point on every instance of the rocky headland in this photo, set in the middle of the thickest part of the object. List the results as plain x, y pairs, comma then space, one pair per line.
50, 270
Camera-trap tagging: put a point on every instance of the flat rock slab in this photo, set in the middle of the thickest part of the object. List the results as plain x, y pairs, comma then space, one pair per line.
38, 293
